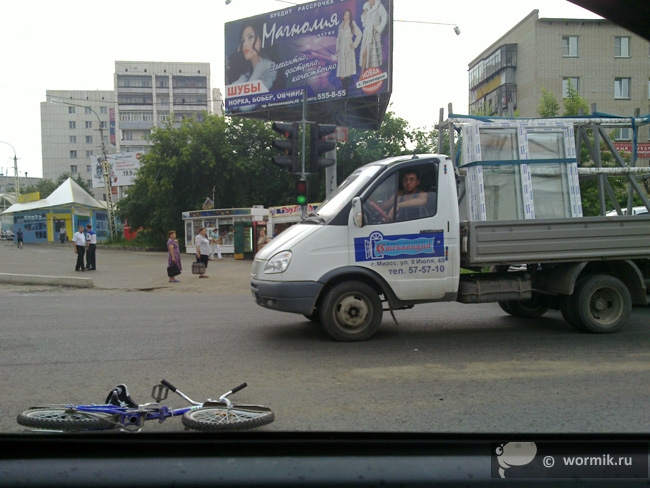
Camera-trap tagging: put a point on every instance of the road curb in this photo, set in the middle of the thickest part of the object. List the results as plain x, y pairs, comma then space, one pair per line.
20, 279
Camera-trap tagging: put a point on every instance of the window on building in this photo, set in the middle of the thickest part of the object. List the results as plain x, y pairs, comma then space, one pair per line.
103, 110
72, 124
89, 183
89, 168
128, 136
622, 47
574, 82
622, 88
623, 134
103, 124
73, 168
89, 139
71, 110
73, 155
570, 46
89, 124
88, 110
73, 139
89, 153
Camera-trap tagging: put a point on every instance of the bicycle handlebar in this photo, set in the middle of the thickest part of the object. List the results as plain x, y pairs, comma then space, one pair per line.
237, 388
222, 398
169, 385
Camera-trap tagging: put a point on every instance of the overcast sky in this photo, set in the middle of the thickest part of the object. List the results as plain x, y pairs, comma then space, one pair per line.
73, 45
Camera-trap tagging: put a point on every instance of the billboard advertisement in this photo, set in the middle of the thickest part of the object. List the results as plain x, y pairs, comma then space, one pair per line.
124, 168
338, 52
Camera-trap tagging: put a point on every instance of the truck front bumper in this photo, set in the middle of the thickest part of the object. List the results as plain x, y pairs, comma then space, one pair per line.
294, 297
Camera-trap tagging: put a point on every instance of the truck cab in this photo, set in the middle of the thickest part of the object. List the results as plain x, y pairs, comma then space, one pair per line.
388, 237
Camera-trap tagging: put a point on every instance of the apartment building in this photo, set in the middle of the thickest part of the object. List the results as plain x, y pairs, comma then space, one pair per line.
74, 124
608, 65
148, 93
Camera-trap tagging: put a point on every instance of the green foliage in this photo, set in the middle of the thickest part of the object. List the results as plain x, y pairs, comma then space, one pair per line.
227, 158
573, 103
548, 105
46, 187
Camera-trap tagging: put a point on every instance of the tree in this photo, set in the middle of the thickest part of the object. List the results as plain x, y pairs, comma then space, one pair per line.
548, 105
46, 186
229, 158
574, 104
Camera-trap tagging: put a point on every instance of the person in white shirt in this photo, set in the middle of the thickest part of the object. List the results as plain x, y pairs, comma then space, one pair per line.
203, 248
91, 248
79, 243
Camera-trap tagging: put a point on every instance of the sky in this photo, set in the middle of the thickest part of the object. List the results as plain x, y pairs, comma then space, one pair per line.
73, 45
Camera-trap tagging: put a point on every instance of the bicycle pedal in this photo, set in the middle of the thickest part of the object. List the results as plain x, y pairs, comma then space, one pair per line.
159, 392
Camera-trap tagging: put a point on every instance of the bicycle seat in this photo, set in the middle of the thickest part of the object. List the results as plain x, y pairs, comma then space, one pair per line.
119, 396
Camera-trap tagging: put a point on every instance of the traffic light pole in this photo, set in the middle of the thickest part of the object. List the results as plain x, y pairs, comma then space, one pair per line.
303, 175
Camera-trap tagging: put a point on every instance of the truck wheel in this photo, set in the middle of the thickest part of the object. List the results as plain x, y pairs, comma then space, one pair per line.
505, 306
527, 309
351, 311
603, 303
569, 312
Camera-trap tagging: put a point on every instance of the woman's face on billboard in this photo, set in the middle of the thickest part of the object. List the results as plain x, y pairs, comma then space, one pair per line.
250, 45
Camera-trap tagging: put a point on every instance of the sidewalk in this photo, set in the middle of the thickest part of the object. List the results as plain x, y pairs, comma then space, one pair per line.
116, 270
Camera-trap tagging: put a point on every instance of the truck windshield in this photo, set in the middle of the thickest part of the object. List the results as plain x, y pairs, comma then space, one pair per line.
346, 191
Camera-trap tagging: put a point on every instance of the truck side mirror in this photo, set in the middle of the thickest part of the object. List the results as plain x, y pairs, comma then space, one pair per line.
357, 212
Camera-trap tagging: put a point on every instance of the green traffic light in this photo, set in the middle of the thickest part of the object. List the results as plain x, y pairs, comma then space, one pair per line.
301, 200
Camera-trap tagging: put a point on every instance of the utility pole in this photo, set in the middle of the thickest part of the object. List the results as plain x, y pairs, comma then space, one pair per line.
16, 186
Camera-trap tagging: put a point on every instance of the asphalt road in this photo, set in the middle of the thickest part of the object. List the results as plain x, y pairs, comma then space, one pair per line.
443, 368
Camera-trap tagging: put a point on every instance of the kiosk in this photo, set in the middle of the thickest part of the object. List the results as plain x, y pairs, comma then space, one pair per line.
237, 228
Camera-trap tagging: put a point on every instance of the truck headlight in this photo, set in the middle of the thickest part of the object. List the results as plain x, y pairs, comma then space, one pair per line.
278, 263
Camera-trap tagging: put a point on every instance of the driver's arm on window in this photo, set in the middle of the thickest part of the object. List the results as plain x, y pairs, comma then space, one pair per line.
420, 200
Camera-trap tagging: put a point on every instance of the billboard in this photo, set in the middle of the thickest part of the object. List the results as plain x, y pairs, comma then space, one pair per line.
338, 52
124, 168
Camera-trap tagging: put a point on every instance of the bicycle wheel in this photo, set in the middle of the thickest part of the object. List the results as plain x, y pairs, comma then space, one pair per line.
220, 417
68, 419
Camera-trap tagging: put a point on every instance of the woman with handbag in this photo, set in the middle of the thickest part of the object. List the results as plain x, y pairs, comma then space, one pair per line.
202, 245
173, 257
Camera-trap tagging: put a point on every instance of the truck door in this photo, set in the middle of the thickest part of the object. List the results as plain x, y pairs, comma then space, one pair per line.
404, 235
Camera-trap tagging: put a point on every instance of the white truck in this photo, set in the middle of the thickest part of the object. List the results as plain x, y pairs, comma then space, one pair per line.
365, 251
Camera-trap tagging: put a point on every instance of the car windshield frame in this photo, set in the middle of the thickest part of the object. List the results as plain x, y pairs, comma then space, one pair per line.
352, 185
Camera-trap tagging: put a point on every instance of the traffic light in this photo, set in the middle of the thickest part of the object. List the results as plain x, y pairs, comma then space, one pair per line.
302, 192
318, 146
289, 146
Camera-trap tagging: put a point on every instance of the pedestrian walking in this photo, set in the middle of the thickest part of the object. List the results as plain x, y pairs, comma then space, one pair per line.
215, 240
91, 248
174, 266
202, 244
19, 238
79, 243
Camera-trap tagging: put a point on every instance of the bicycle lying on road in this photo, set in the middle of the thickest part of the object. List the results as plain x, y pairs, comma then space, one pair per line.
120, 411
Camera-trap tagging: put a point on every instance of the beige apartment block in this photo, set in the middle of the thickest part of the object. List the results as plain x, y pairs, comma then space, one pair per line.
73, 125
153, 93
608, 65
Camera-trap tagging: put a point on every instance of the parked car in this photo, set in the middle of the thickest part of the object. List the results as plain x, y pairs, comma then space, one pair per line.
7, 235
635, 211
